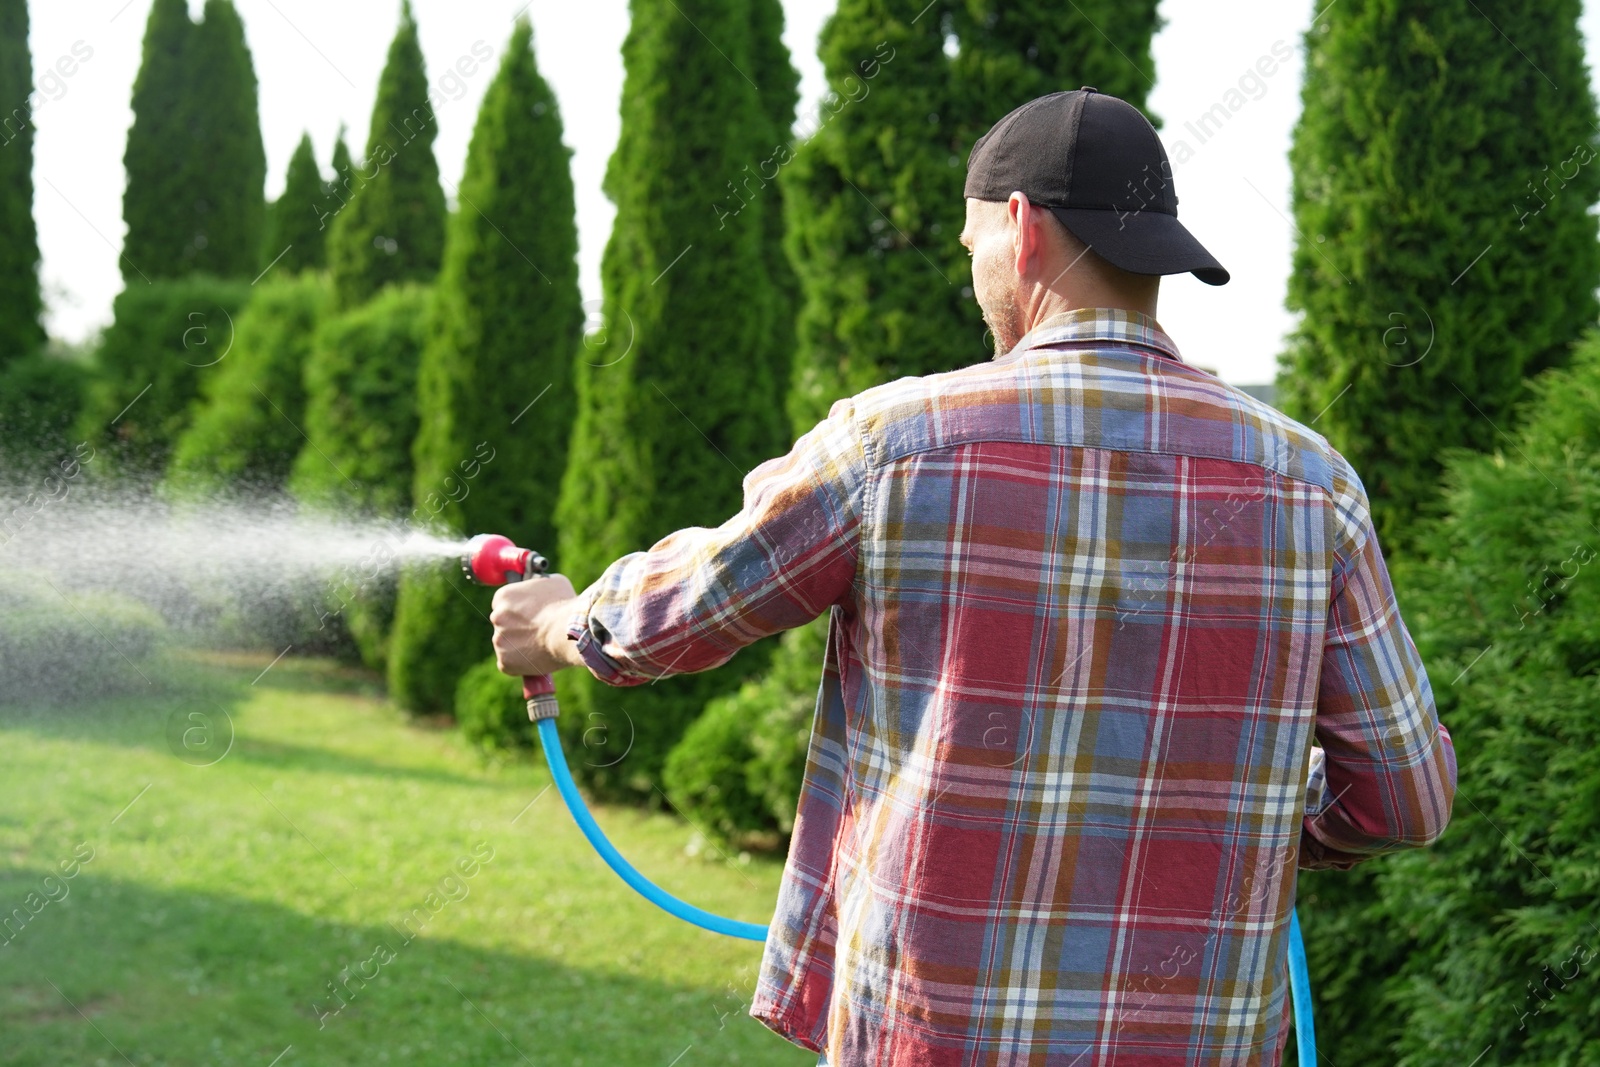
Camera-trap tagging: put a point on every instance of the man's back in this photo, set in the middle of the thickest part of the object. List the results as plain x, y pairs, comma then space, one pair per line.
1055, 796
1090, 608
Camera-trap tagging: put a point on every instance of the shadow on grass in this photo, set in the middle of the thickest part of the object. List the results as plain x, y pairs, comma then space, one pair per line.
207, 686
288, 756
121, 972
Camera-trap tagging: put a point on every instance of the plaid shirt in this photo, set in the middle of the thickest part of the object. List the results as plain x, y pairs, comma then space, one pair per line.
1089, 608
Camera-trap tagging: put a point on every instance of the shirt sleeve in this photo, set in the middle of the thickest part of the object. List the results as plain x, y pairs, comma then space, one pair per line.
1389, 767
699, 595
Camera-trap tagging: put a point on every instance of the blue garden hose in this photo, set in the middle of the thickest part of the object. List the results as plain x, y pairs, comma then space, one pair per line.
1305, 1031
550, 739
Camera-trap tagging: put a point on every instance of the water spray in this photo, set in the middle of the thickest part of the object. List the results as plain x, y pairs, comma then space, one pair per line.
491, 559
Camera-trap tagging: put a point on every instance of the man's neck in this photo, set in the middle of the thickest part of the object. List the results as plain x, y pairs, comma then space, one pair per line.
1052, 304
1050, 312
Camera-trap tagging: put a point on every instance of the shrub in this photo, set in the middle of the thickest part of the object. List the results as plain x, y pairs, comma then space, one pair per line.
361, 409
1488, 938
164, 340
246, 431
41, 397
490, 708
738, 768
361, 416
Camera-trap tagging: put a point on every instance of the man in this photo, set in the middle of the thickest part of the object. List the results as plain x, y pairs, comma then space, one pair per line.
1089, 609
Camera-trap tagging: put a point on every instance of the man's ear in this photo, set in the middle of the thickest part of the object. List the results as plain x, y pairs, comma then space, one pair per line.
1024, 236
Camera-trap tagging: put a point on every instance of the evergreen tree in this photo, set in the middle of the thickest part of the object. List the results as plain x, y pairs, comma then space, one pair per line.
497, 374
226, 163
343, 173
390, 228
338, 190
686, 394
875, 204
20, 332
246, 431
778, 83
298, 218
157, 202
1442, 184
195, 162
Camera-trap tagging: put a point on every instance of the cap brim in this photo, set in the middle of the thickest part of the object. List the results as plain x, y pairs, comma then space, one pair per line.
1142, 242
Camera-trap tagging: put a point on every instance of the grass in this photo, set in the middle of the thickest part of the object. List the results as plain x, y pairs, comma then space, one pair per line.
225, 902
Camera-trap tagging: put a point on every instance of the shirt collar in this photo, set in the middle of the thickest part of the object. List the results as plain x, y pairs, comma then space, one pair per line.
1097, 324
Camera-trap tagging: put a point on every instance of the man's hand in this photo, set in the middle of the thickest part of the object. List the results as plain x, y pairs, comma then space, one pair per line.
530, 626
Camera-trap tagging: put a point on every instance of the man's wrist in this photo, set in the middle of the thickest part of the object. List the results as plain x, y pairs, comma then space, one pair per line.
554, 619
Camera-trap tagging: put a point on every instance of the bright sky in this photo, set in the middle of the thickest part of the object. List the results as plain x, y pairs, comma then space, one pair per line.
318, 62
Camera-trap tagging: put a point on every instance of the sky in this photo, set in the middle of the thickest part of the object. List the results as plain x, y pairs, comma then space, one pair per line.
317, 63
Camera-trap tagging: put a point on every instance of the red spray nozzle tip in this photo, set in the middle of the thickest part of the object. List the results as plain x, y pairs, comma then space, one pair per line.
491, 559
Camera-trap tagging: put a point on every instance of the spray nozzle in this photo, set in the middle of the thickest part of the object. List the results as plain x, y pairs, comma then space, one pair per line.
491, 559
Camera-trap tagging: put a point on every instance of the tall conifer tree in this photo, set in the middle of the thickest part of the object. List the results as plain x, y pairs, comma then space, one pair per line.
495, 386
392, 227
339, 189
686, 395
1444, 168
20, 331
195, 163
225, 162
158, 200
298, 226
343, 171
777, 83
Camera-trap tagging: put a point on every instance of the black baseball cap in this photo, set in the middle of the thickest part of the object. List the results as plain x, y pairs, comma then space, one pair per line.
1095, 161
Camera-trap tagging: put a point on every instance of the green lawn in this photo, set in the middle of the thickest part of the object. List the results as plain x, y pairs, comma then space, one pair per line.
222, 902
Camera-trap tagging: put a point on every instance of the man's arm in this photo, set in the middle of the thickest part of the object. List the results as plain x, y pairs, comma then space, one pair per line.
699, 595
1389, 765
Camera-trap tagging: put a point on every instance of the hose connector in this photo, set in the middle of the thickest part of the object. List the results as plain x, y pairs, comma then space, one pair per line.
539, 690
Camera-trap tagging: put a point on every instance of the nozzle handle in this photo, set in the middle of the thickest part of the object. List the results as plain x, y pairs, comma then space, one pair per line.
539, 690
